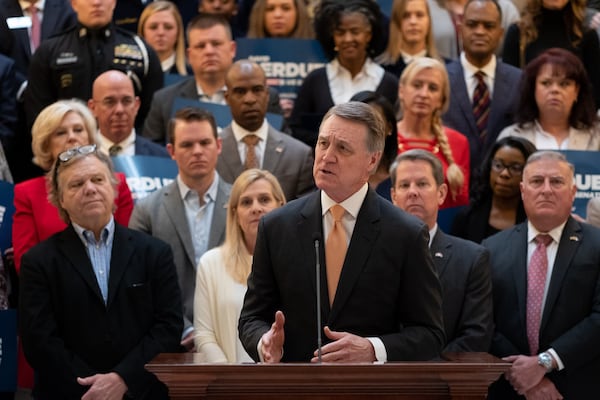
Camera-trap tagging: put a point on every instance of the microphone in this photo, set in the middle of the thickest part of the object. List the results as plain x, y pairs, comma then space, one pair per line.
316, 240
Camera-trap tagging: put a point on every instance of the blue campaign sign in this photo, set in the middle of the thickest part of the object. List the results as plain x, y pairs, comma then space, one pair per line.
587, 178
7, 209
286, 62
145, 174
221, 113
8, 350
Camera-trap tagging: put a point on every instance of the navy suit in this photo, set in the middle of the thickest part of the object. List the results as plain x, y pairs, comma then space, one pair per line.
388, 287
460, 114
571, 315
68, 331
464, 271
146, 147
58, 16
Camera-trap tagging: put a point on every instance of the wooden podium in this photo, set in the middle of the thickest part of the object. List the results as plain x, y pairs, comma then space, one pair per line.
460, 376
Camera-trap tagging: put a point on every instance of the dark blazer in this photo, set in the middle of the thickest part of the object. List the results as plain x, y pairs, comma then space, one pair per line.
157, 121
388, 287
162, 215
571, 317
290, 160
314, 100
146, 147
464, 271
58, 16
460, 113
8, 102
69, 332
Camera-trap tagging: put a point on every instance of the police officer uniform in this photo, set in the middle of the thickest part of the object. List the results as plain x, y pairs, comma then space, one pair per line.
65, 66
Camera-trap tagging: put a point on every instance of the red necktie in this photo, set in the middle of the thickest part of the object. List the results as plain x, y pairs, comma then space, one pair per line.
36, 27
335, 250
481, 104
536, 282
251, 160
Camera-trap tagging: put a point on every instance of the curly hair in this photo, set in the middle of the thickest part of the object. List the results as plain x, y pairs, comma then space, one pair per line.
327, 19
563, 62
257, 29
482, 191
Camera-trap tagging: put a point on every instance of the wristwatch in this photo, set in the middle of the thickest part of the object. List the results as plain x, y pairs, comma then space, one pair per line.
545, 360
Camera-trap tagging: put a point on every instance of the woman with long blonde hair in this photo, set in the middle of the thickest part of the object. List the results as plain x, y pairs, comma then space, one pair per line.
223, 271
424, 94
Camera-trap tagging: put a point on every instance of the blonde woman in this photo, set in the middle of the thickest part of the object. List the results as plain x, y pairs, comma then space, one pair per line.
410, 36
424, 94
223, 271
160, 25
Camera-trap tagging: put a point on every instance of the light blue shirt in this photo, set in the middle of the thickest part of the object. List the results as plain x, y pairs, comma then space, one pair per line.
99, 252
199, 214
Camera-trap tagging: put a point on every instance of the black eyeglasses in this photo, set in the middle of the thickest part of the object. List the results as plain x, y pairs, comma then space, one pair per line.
68, 155
513, 169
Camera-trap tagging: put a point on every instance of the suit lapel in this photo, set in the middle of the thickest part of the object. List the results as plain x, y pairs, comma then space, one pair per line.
231, 162
73, 249
502, 94
217, 230
361, 244
459, 86
519, 270
569, 243
119, 259
311, 222
274, 149
175, 210
189, 89
441, 251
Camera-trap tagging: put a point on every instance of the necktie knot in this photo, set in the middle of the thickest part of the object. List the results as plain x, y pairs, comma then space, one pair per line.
480, 75
337, 212
114, 150
250, 140
543, 239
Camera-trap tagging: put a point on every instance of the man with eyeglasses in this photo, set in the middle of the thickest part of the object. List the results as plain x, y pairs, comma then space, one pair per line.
462, 266
483, 88
546, 291
98, 301
115, 106
251, 142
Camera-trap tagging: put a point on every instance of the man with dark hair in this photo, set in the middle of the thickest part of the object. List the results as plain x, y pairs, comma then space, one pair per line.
189, 213
97, 301
381, 298
546, 289
463, 267
483, 95
210, 53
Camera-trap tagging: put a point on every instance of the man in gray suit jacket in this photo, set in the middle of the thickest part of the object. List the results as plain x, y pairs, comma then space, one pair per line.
481, 34
210, 53
189, 214
463, 267
288, 159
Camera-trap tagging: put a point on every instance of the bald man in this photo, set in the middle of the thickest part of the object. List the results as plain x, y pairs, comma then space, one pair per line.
115, 106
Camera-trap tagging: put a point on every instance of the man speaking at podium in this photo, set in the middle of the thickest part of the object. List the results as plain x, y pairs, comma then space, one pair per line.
381, 299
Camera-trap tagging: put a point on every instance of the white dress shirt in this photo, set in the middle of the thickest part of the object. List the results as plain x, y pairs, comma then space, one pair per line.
343, 86
470, 70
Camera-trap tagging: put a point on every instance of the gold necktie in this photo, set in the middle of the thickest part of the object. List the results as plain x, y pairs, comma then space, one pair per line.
251, 161
114, 150
335, 250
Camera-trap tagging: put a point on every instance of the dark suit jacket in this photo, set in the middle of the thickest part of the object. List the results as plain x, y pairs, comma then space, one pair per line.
388, 287
69, 332
571, 317
460, 113
146, 147
162, 215
58, 16
290, 160
314, 100
464, 271
157, 121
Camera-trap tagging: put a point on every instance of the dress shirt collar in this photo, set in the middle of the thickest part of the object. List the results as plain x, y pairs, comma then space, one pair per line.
218, 97
105, 237
38, 4
409, 57
555, 233
432, 233
470, 70
127, 145
352, 204
210, 195
369, 69
239, 133
168, 63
